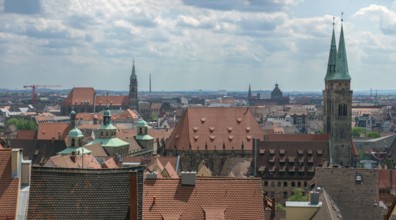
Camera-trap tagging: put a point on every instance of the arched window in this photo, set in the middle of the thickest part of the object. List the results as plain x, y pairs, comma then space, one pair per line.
339, 109
345, 110
73, 142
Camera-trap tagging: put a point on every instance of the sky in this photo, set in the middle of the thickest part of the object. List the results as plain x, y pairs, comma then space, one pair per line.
193, 45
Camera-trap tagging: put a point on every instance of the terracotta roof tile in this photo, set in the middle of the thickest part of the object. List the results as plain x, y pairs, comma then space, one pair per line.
110, 163
26, 134
112, 100
215, 128
65, 161
49, 131
386, 179
296, 137
233, 198
96, 149
80, 94
9, 187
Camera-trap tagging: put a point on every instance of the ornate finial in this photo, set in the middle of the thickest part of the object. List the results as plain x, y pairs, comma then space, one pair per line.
133, 60
333, 21
342, 16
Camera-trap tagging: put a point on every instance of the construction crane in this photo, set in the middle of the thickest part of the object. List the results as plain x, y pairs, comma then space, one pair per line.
34, 87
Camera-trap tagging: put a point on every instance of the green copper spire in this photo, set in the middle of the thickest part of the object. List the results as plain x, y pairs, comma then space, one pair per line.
133, 75
331, 65
342, 72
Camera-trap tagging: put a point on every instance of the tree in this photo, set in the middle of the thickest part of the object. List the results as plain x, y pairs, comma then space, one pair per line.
22, 124
153, 116
373, 134
358, 131
298, 195
279, 207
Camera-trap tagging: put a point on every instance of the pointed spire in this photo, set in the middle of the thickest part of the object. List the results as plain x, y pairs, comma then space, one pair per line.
133, 75
342, 72
331, 65
249, 92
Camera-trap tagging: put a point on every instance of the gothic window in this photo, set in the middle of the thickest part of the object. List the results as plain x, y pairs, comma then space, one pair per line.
339, 109
345, 110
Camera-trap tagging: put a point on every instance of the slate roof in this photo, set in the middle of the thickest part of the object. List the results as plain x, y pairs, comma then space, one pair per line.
38, 150
210, 198
62, 193
215, 128
9, 187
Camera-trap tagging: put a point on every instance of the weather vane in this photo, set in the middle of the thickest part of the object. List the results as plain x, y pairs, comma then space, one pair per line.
333, 20
342, 16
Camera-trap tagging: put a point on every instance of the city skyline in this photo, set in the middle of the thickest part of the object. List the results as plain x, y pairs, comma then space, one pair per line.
188, 45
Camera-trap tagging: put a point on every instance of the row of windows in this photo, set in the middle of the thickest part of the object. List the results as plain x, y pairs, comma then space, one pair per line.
285, 194
285, 183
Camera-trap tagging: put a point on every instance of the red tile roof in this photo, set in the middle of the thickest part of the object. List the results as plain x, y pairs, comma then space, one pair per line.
49, 131
112, 100
26, 134
9, 187
65, 162
88, 116
218, 198
387, 179
79, 95
110, 164
215, 128
296, 137
127, 114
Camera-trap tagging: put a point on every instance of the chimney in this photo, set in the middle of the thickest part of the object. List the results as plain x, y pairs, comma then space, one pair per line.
16, 160
314, 198
73, 157
26, 172
188, 178
151, 176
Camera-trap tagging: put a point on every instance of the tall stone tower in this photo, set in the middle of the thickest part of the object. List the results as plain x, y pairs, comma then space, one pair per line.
337, 99
133, 90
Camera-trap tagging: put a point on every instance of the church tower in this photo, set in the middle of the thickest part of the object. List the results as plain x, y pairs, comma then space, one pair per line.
133, 89
337, 100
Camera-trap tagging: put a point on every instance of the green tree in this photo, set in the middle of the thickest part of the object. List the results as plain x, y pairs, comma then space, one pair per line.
373, 134
279, 207
357, 131
298, 195
153, 116
22, 124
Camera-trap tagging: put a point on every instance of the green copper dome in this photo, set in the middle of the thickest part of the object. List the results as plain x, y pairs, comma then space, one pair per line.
75, 133
141, 123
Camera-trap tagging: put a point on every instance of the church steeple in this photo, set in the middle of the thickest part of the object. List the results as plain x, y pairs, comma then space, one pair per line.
249, 92
133, 89
342, 72
331, 65
337, 105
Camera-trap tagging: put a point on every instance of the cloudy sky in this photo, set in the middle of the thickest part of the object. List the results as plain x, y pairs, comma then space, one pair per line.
191, 44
